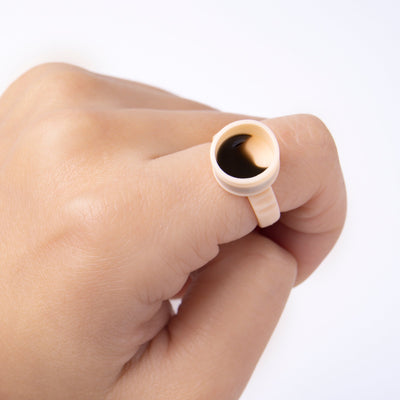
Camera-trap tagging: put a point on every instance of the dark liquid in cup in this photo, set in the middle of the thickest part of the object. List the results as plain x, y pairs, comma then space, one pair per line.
234, 160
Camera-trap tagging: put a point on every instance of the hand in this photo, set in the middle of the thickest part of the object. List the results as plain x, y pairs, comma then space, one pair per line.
108, 209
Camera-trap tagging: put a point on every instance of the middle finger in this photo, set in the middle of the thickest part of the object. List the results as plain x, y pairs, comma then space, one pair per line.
156, 133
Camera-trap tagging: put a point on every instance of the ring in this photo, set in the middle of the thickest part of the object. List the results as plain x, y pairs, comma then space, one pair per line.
245, 162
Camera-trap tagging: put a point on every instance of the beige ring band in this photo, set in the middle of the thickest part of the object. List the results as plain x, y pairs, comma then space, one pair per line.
265, 207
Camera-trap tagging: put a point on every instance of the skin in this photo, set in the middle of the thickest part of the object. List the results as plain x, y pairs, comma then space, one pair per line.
108, 209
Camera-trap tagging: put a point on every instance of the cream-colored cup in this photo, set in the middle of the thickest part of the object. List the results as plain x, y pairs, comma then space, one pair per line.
245, 161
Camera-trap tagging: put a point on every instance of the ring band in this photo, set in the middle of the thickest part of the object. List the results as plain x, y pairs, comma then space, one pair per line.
265, 207
245, 162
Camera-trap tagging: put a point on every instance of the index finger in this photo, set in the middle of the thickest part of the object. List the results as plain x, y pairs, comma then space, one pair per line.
310, 191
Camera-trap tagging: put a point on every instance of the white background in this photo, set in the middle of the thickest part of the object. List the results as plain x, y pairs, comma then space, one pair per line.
339, 336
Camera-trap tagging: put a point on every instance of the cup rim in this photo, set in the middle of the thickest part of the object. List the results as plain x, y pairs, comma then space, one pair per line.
259, 182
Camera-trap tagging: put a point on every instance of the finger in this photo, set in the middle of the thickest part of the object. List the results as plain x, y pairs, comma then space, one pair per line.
189, 216
146, 96
310, 249
223, 324
309, 189
159, 132
304, 143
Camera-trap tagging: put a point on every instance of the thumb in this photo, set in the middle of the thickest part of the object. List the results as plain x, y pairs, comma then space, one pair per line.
227, 318
223, 325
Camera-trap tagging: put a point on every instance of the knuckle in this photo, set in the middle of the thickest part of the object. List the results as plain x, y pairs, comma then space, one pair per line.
90, 216
67, 84
46, 68
59, 81
74, 121
67, 131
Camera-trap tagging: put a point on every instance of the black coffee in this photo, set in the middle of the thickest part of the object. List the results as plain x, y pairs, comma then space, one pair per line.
234, 160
